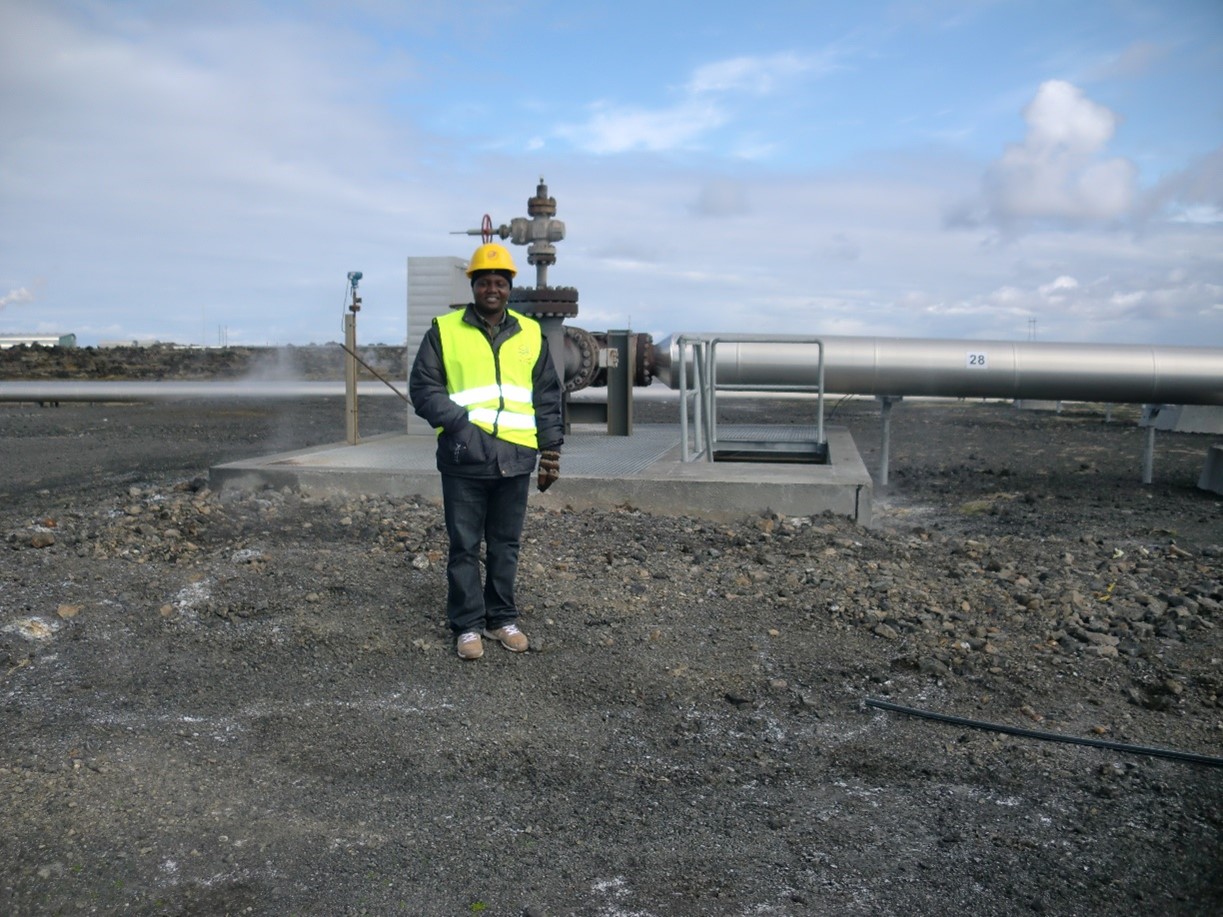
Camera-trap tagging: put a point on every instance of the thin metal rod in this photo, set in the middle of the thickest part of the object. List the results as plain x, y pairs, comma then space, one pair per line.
683, 401
377, 375
703, 443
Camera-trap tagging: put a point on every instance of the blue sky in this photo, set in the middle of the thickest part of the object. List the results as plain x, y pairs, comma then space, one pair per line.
975, 169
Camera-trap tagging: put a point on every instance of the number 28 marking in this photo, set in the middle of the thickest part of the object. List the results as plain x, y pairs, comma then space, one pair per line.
977, 360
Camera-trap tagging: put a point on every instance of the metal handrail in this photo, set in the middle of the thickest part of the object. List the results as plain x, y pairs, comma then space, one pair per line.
697, 355
704, 352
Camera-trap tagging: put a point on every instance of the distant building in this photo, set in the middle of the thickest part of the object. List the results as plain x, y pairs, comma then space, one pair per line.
131, 342
147, 342
40, 340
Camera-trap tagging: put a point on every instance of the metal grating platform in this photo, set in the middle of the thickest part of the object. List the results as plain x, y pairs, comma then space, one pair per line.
592, 452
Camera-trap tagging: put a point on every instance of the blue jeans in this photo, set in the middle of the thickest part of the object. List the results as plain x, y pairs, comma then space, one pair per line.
491, 510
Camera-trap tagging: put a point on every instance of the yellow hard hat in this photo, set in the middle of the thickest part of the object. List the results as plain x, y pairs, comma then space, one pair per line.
491, 257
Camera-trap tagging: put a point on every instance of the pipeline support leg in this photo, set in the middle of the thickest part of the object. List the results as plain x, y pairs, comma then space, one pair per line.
1148, 456
885, 445
620, 371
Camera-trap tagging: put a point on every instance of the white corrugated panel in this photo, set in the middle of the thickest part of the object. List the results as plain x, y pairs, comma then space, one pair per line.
434, 285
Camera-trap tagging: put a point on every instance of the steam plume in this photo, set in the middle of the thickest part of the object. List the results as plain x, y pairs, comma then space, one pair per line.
16, 296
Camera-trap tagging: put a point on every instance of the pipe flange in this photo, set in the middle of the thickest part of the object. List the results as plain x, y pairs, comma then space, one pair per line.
646, 368
581, 358
543, 294
545, 301
547, 310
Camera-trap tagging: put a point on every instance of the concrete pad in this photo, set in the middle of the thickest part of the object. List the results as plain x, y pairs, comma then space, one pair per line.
1212, 473
1184, 418
598, 471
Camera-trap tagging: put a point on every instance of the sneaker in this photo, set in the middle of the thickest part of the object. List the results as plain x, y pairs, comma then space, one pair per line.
469, 645
510, 636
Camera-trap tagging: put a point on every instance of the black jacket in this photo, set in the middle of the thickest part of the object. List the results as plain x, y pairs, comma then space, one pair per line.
463, 448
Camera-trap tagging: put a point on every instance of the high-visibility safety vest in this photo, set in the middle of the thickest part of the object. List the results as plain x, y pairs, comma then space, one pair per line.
494, 386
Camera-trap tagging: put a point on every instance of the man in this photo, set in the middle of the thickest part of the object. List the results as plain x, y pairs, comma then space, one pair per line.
484, 380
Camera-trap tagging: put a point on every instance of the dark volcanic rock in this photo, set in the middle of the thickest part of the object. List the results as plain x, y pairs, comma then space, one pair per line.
229, 704
312, 362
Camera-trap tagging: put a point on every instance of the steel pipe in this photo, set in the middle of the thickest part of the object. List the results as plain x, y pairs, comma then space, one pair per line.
1117, 373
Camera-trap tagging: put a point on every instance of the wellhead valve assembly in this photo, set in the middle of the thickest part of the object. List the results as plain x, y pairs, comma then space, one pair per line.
578, 352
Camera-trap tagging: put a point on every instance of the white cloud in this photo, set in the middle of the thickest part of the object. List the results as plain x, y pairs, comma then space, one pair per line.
1058, 173
1193, 194
620, 130
1202, 214
705, 104
169, 178
186, 172
756, 75
1061, 285
1128, 300
13, 297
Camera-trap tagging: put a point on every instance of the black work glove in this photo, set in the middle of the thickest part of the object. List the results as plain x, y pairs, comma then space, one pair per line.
549, 468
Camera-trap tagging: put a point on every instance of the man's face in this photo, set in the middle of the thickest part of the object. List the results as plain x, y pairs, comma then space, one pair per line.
491, 293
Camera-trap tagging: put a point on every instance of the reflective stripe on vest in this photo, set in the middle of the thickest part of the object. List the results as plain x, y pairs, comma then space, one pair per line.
495, 388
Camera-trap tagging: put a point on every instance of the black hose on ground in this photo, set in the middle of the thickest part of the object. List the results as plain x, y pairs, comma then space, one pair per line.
1190, 756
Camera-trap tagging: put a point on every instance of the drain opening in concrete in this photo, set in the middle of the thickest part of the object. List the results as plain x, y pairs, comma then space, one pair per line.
784, 453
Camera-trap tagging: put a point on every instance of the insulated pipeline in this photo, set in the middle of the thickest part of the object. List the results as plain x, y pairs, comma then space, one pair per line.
1116, 373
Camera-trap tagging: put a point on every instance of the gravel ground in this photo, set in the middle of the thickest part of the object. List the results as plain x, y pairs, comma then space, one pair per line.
248, 703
